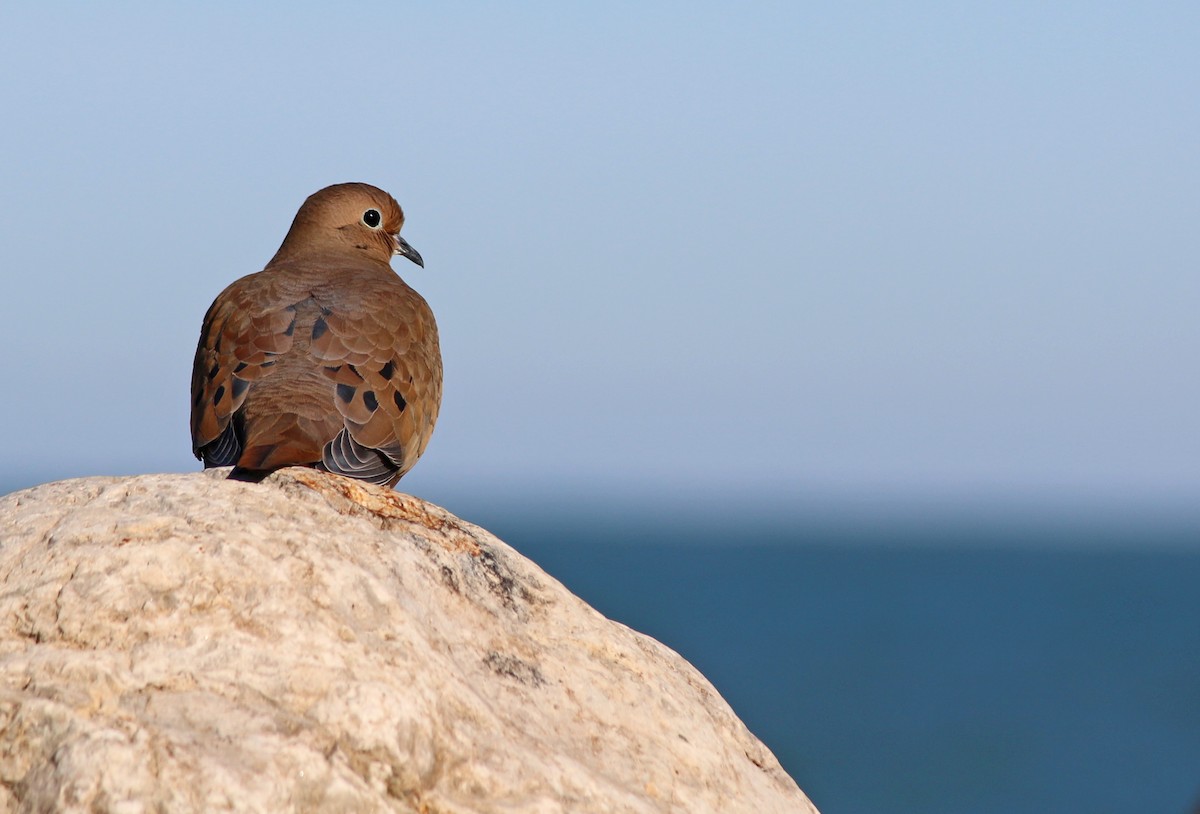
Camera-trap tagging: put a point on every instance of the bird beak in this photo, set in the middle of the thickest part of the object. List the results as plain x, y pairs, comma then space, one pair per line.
408, 251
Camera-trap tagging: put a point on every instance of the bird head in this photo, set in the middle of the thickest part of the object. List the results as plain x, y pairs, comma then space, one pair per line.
354, 216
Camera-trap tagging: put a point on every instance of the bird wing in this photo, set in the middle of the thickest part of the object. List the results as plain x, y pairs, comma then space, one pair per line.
240, 343
384, 361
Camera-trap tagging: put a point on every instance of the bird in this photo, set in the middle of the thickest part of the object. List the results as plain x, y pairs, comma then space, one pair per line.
326, 358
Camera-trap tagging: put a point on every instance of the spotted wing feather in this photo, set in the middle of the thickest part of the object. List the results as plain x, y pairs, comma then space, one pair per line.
240, 344
384, 363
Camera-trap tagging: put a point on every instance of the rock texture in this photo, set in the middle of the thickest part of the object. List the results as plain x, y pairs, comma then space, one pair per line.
310, 643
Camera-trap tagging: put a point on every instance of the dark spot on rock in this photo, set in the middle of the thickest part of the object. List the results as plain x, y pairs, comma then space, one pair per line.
199, 397
239, 387
333, 368
220, 394
354, 370
400, 402
512, 667
319, 328
268, 363
498, 578
291, 328
240, 367
370, 400
387, 370
449, 577
345, 392
212, 371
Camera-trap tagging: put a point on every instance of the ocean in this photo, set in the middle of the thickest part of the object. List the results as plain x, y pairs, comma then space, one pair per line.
980, 670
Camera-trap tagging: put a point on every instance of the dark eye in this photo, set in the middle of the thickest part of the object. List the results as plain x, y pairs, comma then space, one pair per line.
372, 218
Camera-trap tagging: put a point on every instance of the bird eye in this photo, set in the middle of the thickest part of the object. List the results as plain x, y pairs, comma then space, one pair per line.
372, 218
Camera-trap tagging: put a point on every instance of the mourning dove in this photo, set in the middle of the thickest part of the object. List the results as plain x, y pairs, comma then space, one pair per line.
325, 358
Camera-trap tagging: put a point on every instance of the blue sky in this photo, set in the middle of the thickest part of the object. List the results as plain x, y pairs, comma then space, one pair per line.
778, 248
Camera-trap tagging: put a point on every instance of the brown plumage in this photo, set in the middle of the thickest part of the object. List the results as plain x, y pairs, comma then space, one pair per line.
325, 358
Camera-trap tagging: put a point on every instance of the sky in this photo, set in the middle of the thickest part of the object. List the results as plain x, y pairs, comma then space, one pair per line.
773, 249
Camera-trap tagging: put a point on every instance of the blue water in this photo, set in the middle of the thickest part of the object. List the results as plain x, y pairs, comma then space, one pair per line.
968, 677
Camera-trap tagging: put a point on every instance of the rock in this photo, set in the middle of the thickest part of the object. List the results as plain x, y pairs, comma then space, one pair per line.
310, 643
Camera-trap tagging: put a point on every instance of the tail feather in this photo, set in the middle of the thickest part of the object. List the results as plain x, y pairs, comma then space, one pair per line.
345, 456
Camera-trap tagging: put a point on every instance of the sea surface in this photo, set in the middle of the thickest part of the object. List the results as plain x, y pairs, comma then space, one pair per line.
979, 670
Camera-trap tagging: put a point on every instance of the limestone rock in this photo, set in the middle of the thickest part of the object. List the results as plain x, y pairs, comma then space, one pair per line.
189, 643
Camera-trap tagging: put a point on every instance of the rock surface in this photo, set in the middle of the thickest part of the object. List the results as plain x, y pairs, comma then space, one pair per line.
189, 643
